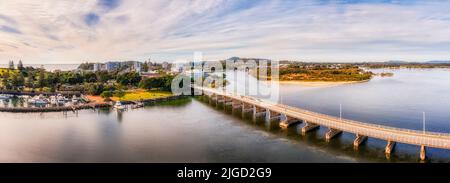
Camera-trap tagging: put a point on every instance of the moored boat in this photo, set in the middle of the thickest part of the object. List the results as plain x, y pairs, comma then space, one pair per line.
74, 99
4, 97
119, 106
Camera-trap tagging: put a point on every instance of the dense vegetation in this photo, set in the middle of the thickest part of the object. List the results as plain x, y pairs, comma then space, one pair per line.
322, 72
93, 83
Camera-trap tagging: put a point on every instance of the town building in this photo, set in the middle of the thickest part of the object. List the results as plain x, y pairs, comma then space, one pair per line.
111, 66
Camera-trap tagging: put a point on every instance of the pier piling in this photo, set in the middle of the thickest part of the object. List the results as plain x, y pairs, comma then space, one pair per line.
332, 133
246, 109
423, 153
389, 147
258, 113
286, 123
359, 140
309, 127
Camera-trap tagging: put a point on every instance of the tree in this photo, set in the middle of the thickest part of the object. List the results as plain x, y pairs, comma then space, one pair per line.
41, 79
5, 77
106, 94
29, 82
20, 65
129, 78
145, 67
90, 77
103, 76
86, 66
11, 64
119, 93
161, 83
93, 88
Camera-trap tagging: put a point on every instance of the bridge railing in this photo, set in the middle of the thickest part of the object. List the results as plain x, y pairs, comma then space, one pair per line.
329, 117
353, 122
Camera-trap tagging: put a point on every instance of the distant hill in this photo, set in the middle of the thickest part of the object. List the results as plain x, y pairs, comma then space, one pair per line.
439, 62
396, 62
234, 58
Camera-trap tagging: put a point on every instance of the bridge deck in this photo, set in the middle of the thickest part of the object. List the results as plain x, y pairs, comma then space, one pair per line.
430, 139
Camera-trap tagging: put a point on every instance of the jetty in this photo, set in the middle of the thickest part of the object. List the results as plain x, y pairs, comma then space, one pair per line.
54, 108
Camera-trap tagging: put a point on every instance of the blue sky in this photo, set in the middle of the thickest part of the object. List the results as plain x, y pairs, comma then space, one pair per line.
73, 31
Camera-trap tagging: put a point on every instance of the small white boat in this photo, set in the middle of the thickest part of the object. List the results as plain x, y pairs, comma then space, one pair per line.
53, 100
24, 96
31, 101
60, 99
137, 105
74, 99
119, 106
4, 97
39, 100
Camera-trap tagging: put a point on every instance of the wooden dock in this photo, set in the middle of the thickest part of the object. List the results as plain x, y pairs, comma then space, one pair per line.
54, 109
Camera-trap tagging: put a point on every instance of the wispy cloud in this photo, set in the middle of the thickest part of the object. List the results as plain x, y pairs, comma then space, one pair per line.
7, 29
315, 30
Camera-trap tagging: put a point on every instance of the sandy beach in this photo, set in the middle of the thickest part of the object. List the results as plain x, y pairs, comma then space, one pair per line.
320, 83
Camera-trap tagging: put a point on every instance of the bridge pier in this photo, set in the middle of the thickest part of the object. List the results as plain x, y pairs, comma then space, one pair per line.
309, 127
423, 153
389, 148
286, 123
359, 140
217, 100
332, 133
220, 101
246, 110
227, 102
212, 99
257, 113
236, 105
272, 116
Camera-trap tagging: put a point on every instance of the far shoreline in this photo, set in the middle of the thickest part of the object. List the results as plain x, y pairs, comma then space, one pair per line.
321, 83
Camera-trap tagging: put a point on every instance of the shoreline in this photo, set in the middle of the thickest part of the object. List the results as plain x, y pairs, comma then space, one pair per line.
321, 83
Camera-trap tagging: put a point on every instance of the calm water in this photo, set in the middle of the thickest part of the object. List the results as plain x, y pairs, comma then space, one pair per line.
397, 101
190, 130
167, 133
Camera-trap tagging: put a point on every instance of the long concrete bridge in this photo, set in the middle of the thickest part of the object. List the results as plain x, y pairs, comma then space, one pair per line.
288, 116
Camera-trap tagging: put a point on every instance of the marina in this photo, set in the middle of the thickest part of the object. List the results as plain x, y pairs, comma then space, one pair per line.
56, 103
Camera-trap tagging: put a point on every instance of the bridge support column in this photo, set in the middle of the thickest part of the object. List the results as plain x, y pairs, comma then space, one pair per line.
272, 116
236, 105
246, 110
309, 127
212, 99
227, 102
423, 153
389, 148
288, 122
359, 140
257, 113
217, 100
332, 133
220, 99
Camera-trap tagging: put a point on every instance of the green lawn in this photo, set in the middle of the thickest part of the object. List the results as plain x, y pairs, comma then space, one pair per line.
142, 95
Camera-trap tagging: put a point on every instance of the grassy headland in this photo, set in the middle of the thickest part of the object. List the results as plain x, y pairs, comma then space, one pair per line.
323, 73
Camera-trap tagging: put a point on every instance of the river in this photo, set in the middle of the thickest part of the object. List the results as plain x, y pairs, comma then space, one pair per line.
190, 130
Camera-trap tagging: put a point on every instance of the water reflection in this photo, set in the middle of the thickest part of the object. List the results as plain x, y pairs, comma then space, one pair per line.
188, 130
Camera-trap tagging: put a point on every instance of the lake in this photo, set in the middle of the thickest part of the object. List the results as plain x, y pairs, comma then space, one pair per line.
191, 130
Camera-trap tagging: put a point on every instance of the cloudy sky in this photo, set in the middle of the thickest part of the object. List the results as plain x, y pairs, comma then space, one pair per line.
72, 31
